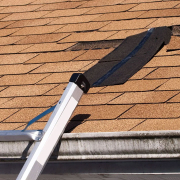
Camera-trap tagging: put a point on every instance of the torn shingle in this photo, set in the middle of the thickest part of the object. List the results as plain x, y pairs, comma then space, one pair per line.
176, 30
95, 45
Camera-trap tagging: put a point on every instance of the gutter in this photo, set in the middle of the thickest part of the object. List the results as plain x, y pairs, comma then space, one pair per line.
103, 146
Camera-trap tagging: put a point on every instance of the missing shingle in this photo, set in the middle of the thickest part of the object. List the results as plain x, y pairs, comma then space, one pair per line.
176, 30
105, 44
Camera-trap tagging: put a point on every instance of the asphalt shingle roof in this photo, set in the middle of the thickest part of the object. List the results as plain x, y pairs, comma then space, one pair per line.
36, 62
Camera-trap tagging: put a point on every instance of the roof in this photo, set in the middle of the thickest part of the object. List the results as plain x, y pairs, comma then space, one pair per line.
37, 38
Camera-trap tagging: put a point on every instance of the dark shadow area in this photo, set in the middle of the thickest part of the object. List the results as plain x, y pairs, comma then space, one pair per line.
75, 121
128, 58
99, 166
25, 152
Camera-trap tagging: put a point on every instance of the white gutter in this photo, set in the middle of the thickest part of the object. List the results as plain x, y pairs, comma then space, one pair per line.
103, 146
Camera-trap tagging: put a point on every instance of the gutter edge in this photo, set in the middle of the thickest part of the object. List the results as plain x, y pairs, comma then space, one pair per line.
103, 146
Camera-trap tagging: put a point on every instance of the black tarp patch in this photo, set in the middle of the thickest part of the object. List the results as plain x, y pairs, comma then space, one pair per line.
153, 44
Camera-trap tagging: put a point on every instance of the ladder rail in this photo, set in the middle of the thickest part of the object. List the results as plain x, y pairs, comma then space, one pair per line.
52, 131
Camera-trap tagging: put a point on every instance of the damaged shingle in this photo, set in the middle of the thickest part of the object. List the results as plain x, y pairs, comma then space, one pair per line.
176, 30
106, 44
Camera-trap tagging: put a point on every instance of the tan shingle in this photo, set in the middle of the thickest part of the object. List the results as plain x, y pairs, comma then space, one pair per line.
17, 69
37, 30
125, 33
38, 101
5, 23
164, 72
2, 101
9, 40
107, 125
128, 24
15, 2
95, 89
82, 27
26, 90
42, 38
85, 68
25, 15
61, 66
169, 110
135, 85
102, 112
159, 124
5, 113
88, 36
107, 9
95, 3
46, 47
21, 79
97, 99
46, 1
35, 126
61, 5
25, 115
57, 78
119, 16
15, 58
155, 5
30, 22
161, 13
2, 16
178, 6
68, 12
143, 97
169, 21
94, 54
172, 84
56, 57
175, 99
19, 9
164, 52
75, 19
10, 126
58, 90
6, 32
138, 1
164, 61
142, 73
13, 48
174, 43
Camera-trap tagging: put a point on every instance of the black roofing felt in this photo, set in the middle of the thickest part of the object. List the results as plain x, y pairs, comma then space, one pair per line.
104, 44
128, 58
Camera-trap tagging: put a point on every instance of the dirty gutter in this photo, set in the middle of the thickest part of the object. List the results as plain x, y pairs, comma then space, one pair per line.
103, 146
